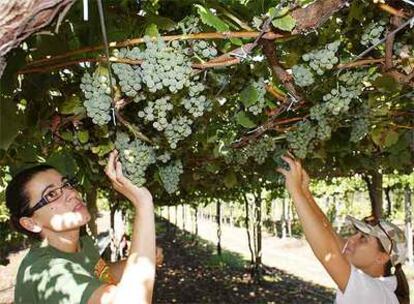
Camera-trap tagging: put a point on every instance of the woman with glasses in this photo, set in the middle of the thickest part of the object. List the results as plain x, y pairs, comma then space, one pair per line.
367, 267
65, 267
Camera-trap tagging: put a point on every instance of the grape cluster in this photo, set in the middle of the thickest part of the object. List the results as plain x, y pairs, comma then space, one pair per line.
303, 76
165, 157
338, 100
156, 112
372, 34
164, 66
177, 130
324, 59
135, 157
354, 81
203, 49
98, 102
359, 129
129, 78
300, 139
196, 105
259, 151
170, 176
260, 104
324, 130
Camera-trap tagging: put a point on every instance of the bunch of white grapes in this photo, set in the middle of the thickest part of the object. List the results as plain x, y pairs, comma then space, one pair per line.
324, 130
258, 150
338, 100
156, 112
177, 130
260, 104
303, 77
318, 112
204, 49
129, 78
372, 34
164, 157
323, 59
359, 129
98, 101
195, 88
354, 81
196, 105
135, 157
300, 139
170, 176
164, 66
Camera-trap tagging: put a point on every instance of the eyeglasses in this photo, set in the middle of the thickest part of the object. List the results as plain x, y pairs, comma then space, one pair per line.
53, 195
373, 221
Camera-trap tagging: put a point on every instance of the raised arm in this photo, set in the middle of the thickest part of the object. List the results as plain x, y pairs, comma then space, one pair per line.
305, 188
137, 280
318, 231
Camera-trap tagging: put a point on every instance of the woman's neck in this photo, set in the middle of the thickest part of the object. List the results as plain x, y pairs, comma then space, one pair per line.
67, 241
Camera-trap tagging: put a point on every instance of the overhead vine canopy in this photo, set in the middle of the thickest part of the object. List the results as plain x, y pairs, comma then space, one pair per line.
195, 90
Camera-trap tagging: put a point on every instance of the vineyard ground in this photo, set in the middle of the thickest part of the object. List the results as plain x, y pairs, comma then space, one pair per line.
290, 254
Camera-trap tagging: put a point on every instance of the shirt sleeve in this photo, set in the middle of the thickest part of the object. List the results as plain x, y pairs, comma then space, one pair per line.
63, 282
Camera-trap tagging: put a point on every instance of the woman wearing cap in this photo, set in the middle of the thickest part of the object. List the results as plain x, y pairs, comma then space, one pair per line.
361, 266
66, 267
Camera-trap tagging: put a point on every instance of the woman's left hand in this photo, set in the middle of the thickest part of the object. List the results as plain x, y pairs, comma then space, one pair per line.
293, 176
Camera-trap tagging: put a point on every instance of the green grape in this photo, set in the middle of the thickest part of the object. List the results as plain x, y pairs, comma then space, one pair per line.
372, 34
177, 130
135, 157
323, 59
303, 77
170, 176
359, 129
98, 102
300, 139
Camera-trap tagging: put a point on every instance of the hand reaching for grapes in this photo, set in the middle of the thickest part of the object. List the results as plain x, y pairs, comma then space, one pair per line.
137, 195
293, 176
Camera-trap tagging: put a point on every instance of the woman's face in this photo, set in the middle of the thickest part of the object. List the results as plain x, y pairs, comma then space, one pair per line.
68, 212
363, 251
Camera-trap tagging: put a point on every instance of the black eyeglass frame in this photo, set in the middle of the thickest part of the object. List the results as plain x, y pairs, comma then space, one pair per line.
70, 183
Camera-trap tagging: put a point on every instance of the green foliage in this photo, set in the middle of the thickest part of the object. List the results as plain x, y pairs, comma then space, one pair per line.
351, 121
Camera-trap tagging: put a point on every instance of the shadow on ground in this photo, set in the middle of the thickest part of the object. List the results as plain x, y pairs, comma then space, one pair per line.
193, 273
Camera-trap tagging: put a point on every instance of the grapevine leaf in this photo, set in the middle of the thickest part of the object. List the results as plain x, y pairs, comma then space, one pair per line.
64, 162
66, 135
230, 180
83, 136
73, 105
210, 19
11, 122
391, 138
152, 30
249, 96
386, 84
244, 120
103, 149
282, 20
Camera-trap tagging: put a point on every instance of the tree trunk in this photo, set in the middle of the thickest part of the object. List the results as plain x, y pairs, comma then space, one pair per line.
247, 223
91, 196
258, 224
389, 202
289, 220
284, 218
409, 224
176, 216
183, 215
374, 184
195, 220
218, 220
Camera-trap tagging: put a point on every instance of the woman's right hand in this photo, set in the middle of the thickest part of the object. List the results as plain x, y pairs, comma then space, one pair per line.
137, 195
